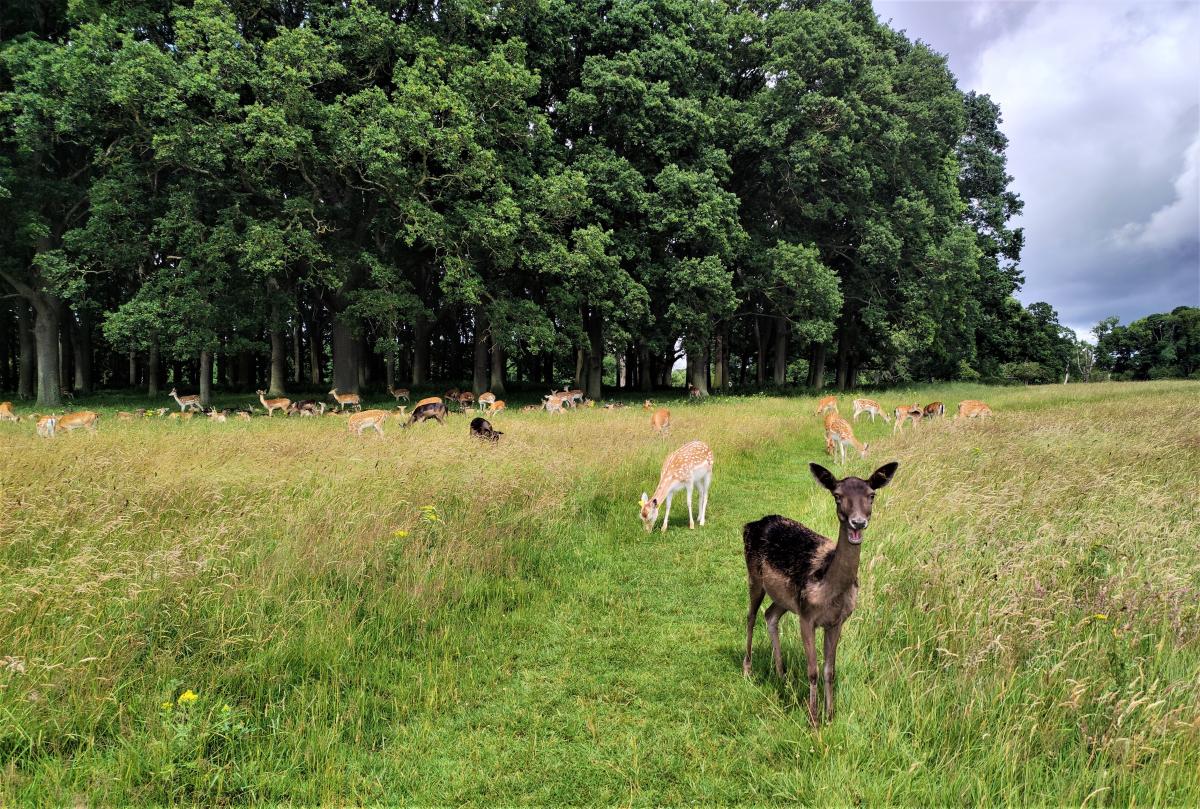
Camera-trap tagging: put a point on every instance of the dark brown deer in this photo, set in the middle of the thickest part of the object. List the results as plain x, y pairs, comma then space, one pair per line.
433, 410
810, 575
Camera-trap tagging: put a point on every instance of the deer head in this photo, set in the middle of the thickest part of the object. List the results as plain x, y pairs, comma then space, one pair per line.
853, 496
649, 511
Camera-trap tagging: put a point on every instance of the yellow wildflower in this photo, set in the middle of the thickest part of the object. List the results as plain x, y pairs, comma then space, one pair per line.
1100, 616
399, 533
188, 697
166, 706
225, 708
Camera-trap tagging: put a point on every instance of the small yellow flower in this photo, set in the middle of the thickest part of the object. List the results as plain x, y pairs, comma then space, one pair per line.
188, 697
225, 708
1100, 616
166, 706
399, 533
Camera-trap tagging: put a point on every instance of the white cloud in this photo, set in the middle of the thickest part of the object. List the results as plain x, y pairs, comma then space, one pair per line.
1175, 222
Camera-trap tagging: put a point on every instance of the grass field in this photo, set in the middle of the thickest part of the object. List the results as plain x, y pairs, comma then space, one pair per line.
273, 611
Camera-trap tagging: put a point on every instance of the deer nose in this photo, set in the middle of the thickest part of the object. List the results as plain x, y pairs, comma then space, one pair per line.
858, 523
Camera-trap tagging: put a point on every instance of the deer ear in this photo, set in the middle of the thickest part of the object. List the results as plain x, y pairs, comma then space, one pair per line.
823, 476
645, 497
883, 475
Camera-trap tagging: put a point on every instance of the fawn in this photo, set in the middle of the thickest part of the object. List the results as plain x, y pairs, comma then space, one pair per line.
687, 467
827, 403
869, 406
839, 432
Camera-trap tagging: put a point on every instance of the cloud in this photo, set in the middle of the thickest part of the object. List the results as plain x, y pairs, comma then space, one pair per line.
1101, 103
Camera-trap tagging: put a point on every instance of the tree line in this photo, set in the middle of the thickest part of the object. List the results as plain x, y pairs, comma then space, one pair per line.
363, 193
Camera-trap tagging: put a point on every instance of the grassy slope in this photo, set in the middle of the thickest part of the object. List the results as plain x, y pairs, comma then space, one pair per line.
1026, 631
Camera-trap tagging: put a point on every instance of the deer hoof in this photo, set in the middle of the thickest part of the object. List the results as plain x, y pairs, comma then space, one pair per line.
746, 669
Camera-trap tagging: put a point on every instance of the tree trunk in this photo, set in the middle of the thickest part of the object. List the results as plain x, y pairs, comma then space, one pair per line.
760, 338
133, 369
296, 352
152, 370
389, 362
82, 346
364, 355
498, 363
781, 335
479, 364
579, 364
45, 331
845, 349
66, 357
205, 378
278, 356
698, 368
420, 364
316, 342
816, 366
645, 372
345, 363
25, 374
595, 367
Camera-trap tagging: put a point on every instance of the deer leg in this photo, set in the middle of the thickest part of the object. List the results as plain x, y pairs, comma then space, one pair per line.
774, 613
832, 635
705, 482
691, 519
757, 593
809, 634
667, 511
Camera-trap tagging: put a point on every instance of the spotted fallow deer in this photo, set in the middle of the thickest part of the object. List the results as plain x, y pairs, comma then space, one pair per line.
827, 404
46, 425
496, 407
972, 408
273, 404
399, 393
839, 432
185, 402
485, 400
367, 420
81, 418
905, 413
660, 421
830, 418
869, 406
689, 467
810, 575
345, 400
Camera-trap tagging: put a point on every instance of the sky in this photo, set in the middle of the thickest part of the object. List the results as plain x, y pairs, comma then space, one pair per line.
1101, 105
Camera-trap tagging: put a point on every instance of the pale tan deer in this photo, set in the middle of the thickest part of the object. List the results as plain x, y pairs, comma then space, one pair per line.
367, 420
973, 408
185, 402
810, 575
840, 434
648, 404
485, 400
905, 413
217, 416
243, 415
690, 466
571, 396
829, 419
6, 412
273, 404
554, 404
660, 421
827, 403
399, 393
869, 406
124, 416
81, 418
427, 401
46, 426
346, 399
496, 407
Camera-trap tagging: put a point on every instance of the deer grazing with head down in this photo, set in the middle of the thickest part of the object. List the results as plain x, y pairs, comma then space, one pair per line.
6, 412
934, 409
827, 404
367, 420
869, 406
688, 467
810, 575
485, 400
660, 421
185, 402
496, 407
972, 408
839, 433
482, 428
905, 413
73, 421
431, 408
274, 404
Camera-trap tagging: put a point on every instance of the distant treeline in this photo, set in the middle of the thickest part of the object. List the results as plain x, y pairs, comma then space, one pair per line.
257, 193
1161, 346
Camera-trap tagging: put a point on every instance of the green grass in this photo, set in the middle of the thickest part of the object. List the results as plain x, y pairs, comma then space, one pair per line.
1028, 626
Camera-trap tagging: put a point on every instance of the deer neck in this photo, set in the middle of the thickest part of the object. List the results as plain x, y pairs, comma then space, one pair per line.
843, 568
665, 485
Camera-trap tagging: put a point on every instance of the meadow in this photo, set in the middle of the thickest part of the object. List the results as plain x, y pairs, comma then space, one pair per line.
266, 611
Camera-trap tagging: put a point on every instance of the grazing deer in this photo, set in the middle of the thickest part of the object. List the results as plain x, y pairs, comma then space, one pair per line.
244, 415
869, 406
158, 412
485, 400
530, 408
124, 416
553, 404
482, 428
67, 394
838, 432
694, 392
972, 408
614, 406
81, 418
428, 410
660, 421
648, 405
46, 425
217, 416
273, 404
496, 407
6, 412
934, 409
344, 399
827, 403
185, 402
905, 413
571, 397
830, 418
428, 400
451, 395
688, 467
399, 393
367, 420
810, 575
466, 399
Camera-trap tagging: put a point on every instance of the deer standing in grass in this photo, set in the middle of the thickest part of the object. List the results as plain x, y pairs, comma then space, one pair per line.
6, 412
648, 405
46, 425
426, 409
485, 400
73, 421
810, 575
660, 421
905, 413
838, 432
367, 420
496, 407
972, 408
346, 399
830, 417
554, 404
869, 406
273, 404
399, 393
689, 467
185, 402
827, 404
934, 409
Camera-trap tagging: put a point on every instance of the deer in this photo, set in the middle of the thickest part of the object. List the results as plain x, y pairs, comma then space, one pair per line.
648, 404
690, 466
830, 418
485, 400
933, 410
496, 407
694, 393
217, 416
553, 404
810, 575
428, 400
869, 406
344, 399
6, 412
905, 413
571, 397
46, 425
185, 402
973, 408
399, 393
839, 432
451, 395
124, 416
530, 408
660, 421
244, 415
482, 428
428, 410
465, 399
827, 403
273, 404
367, 420
81, 418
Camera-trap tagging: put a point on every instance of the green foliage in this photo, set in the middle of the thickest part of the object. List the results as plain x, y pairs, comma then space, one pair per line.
1160, 346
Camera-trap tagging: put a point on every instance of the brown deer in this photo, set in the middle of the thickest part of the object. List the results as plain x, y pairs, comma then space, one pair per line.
688, 467
496, 407
429, 410
648, 404
934, 409
869, 406
810, 575
466, 399
73, 421
694, 393
660, 421
839, 432
346, 399
6, 412
905, 413
367, 420
185, 402
274, 404
485, 400
399, 393
827, 403
482, 428
972, 408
